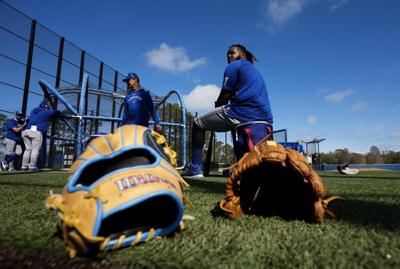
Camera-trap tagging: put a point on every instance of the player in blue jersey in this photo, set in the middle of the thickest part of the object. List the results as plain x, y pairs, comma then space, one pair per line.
138, 105
243, 98
34, 134
13, 141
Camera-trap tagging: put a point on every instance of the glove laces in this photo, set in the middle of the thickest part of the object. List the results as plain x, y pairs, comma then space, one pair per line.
122, 237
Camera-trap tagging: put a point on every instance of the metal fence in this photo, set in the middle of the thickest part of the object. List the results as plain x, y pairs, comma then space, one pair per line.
30, 52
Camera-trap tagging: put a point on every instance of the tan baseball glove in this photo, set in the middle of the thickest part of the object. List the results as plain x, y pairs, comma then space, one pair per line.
275, 181
123, 190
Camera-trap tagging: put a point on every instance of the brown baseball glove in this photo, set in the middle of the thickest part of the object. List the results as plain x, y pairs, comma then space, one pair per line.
275, 181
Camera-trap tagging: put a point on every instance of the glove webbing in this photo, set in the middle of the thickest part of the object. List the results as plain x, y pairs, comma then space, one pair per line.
161, 140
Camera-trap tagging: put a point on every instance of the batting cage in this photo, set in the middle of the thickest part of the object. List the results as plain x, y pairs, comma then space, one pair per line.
90, 112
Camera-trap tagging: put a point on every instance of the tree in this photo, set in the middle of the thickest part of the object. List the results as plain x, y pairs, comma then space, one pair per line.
357, 158
391, 157
328, 158
342, 155
374, 155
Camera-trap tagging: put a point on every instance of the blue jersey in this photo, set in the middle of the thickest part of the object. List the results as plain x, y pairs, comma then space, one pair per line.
250, 101
40, 117
138, 108
13, 123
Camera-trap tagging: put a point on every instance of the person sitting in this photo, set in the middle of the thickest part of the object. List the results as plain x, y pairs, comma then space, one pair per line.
243, 98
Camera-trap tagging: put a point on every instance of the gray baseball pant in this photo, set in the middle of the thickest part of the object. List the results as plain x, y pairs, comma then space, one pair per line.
12, 147
33, 142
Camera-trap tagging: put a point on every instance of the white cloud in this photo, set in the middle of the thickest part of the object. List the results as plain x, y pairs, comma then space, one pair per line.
312, 119
280, 11
338, 96
172, 59
337, 4
321, 92
396, 134
201, 99
359, 106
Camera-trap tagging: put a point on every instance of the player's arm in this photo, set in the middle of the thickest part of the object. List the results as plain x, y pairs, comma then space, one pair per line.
154, 115
19, 128
228, 86
223, 98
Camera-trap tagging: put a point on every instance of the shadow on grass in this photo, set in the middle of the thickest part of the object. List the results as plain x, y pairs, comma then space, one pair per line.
12, 257
207, 186
375, 215
369, 214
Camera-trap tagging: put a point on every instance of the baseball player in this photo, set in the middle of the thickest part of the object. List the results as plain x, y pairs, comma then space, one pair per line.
13, 140
243, 98
35, 132
138, 106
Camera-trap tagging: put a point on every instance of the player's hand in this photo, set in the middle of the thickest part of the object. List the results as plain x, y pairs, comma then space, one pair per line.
158, 128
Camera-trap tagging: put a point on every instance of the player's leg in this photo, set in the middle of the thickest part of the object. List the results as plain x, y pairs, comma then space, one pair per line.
10, 154
28, 149
217, 121
37, 138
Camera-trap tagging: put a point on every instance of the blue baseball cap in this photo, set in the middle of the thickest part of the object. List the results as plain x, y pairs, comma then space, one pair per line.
18, 113
130, 76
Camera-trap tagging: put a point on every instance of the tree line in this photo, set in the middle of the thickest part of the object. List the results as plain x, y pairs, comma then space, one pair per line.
374, 156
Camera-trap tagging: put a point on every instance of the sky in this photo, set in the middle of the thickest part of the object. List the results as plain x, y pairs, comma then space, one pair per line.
332, 67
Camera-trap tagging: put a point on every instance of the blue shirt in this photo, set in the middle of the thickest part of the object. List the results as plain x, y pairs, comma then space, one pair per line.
250, 101
12, 123
40, 117
138, 108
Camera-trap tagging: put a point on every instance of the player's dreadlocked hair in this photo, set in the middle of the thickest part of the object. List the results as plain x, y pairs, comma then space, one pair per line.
249, 56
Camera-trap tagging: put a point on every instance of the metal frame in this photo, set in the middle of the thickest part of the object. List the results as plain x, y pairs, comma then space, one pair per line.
79, 113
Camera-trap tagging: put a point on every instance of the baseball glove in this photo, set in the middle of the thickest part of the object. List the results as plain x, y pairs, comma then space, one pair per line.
275, 181
122, 190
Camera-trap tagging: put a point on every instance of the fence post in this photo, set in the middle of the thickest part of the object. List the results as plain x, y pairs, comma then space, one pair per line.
113, 100
100, 85
57, 85
169, 120
28, 67
81, 71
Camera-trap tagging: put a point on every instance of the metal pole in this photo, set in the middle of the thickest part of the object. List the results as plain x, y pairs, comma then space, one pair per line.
28, 67
169, 120
113, 102
214, 142
81, 72
175, 128
100, 85
57, 85
226, 148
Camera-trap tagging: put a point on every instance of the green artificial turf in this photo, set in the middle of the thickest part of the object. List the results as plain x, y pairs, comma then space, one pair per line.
365, 234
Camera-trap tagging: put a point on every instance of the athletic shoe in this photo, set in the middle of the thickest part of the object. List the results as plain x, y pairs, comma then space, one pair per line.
191, 174
4, 165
